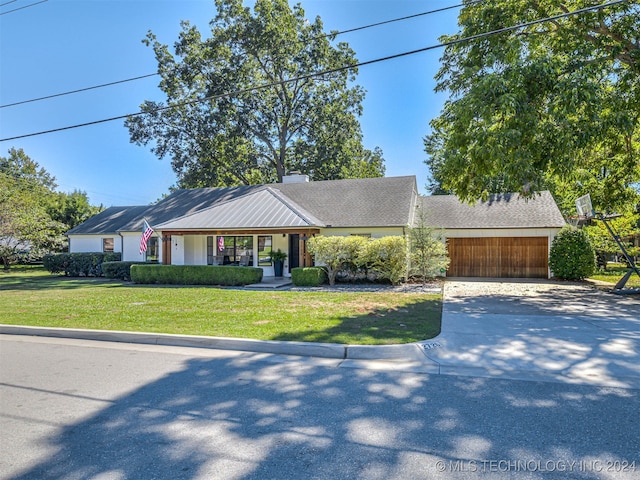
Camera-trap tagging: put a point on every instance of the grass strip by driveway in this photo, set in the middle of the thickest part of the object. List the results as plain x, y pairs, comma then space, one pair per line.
33, 297
614, 273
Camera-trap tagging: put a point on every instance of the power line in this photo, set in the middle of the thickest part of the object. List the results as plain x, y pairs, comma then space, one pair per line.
326, 35
21, 8
79, 90
408, 17
327, 72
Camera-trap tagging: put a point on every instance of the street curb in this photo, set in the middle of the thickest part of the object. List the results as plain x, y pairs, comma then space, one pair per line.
411, 352
309, 349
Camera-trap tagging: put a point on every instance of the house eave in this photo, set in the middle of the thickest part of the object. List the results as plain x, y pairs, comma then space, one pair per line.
243, 231
490, 227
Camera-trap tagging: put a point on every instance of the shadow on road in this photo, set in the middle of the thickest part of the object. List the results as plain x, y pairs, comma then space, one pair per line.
250, 417
527, 329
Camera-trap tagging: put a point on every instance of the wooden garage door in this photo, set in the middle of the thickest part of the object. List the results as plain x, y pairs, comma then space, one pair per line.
511, 257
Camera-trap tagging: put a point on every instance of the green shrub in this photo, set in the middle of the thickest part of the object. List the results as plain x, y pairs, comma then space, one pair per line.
119, 270
572, 257
335, 252
427, 249
308, 276
388, 257
385, 257
79, 264
195, 275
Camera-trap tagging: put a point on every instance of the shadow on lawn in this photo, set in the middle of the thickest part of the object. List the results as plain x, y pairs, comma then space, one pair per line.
20, 281
418, 320
249, 418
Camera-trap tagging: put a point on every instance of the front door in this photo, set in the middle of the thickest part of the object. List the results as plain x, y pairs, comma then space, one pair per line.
294, 251
166, 249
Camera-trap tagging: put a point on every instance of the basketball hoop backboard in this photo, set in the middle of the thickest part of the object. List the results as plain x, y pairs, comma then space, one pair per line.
584, 206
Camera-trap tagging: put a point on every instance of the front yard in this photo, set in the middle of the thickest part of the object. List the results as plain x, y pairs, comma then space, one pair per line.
34, 297
613, 273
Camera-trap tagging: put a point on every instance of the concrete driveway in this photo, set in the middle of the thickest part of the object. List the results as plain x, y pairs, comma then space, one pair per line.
538, 330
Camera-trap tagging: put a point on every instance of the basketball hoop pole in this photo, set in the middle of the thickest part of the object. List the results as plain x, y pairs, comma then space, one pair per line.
585, 209
619, 288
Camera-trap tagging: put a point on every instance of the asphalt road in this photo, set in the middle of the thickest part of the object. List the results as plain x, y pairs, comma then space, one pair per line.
78, 409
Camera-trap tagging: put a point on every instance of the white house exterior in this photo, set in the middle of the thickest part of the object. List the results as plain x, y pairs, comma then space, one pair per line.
242, 225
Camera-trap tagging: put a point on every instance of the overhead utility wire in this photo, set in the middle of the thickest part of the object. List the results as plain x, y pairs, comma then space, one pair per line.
326, 35
326, 72
408, 17
79, 90
22, 8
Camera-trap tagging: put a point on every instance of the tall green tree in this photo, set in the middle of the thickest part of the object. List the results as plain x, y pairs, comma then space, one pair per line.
71, 209
243, 106
554, 105
33, 215
25, 225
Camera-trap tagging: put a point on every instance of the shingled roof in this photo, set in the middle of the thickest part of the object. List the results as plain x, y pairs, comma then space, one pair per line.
360, 202
499, 211
366, 202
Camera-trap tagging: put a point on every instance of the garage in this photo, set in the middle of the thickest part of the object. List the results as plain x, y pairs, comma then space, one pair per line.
502, 257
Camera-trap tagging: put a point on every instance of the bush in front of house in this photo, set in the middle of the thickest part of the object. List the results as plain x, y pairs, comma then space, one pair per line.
79, 264
335, 252
308, 276
427, 249
195, 275
119, 270
572, 256
387, 256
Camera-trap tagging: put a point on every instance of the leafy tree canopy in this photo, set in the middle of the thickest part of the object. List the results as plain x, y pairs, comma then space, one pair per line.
71, 209
266, 112
33, 216
554, 105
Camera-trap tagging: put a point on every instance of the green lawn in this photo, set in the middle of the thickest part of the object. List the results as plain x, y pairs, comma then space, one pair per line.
613, 273
33, 297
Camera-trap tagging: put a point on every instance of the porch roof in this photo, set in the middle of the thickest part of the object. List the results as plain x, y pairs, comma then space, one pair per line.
262, 209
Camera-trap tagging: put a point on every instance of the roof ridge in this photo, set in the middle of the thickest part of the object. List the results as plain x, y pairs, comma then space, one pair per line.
297, 209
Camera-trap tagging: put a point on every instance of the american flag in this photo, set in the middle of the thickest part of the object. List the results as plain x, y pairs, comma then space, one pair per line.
147, 231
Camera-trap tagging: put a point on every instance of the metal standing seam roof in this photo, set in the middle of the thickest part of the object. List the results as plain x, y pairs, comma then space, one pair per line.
259, 209
499, 211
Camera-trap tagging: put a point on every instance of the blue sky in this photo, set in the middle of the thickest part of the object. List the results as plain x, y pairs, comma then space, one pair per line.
63, 45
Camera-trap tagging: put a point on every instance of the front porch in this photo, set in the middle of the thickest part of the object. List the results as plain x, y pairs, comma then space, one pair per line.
238, 247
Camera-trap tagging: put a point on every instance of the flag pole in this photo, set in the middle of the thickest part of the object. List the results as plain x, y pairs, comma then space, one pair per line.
147, 231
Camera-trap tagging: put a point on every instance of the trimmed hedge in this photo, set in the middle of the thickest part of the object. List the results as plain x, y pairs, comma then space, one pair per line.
79, 264
195, 275
308, 276
119, 270
572, 257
